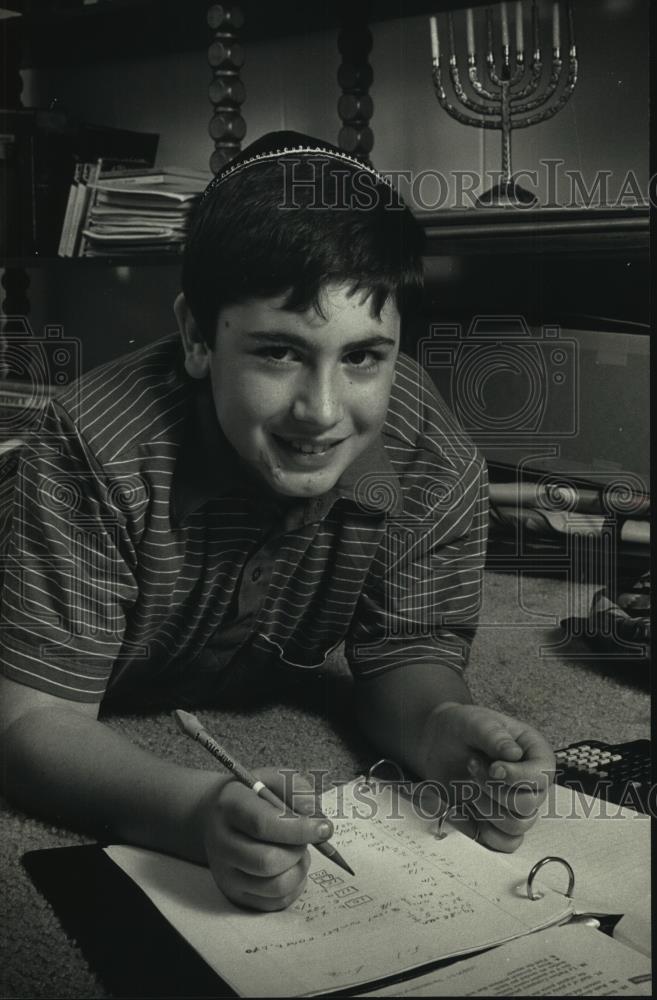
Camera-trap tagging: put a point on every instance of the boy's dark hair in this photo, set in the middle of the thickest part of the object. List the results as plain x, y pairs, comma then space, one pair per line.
292, 222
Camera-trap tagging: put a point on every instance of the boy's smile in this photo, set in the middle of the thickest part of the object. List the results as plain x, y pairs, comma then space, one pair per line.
300, 395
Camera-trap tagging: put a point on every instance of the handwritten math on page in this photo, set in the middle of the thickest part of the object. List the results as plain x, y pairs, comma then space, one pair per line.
415, 899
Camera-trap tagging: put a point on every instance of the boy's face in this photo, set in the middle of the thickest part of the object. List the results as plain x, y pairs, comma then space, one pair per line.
299, 396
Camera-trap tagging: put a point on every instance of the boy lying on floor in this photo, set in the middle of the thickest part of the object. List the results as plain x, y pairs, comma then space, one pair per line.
243, 498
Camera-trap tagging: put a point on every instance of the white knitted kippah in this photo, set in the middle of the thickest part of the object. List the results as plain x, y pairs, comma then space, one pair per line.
274, 145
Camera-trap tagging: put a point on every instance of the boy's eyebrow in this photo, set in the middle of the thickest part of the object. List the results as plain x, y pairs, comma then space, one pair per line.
276, 336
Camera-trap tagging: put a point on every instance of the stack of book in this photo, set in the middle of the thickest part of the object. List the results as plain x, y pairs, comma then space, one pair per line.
43, 156
77, 206
140, 211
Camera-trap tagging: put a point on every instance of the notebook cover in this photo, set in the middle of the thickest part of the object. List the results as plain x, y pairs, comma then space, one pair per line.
127, 942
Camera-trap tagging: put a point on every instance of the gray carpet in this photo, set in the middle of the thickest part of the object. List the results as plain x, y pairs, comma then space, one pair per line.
515, 667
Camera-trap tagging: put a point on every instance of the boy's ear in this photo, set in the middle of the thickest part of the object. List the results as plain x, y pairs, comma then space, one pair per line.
197, 355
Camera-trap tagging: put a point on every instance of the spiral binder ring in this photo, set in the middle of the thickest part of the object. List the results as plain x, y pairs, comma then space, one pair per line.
537, 867
473, 816
371, 778
438, 832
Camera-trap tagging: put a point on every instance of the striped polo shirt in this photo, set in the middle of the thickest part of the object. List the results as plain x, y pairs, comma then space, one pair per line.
137, 542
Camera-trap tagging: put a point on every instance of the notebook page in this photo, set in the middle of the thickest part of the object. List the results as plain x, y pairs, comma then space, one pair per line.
414, 899
563, 961
609, 849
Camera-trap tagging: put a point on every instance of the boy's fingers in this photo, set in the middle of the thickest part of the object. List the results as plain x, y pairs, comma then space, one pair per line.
495, 834
497, 840
503, 818
262, 821
517, 794
263, 860
492, 738
261, 882
537, 763
537, 749
532, 777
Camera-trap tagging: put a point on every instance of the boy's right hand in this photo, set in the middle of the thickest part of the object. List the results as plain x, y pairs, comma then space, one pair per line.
259, 857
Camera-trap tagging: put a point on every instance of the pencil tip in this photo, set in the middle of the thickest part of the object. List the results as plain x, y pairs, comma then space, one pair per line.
187, 723
339, 860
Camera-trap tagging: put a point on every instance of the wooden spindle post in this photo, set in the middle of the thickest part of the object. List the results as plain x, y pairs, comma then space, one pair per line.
226, 92
355, 106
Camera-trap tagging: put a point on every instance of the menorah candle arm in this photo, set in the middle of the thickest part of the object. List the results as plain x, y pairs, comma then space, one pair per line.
437, 78
494, 77
573, 70
473, 105
526, 106
531, 86
455, 112
478, 87
558, 104
555, 79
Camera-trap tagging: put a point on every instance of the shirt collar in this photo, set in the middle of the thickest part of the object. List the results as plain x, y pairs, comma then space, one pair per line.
208, 467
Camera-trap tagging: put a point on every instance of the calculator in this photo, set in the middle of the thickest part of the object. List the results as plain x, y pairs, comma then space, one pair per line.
617, 772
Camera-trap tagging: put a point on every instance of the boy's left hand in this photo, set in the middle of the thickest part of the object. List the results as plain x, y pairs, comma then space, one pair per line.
506, 768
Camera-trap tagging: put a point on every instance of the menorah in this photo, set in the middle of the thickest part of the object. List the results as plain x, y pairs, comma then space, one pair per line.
517, 94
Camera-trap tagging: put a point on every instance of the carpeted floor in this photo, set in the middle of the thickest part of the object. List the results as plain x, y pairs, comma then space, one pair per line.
517, 666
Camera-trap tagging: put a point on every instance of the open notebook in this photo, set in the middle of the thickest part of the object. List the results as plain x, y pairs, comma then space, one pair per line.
415, 899
152, 926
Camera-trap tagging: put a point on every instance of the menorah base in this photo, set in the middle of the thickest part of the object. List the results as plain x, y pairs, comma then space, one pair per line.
506, 194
